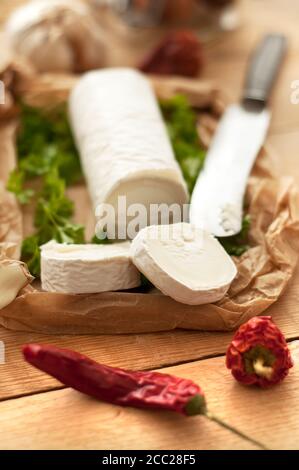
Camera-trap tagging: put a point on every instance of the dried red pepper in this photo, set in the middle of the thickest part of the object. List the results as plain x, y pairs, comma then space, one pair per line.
259, 354
179, 53
122, 387
117, 386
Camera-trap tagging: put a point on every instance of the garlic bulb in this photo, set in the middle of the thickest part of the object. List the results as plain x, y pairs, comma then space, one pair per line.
57, 36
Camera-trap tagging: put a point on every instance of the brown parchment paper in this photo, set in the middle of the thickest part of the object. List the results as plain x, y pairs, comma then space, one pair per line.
263, 271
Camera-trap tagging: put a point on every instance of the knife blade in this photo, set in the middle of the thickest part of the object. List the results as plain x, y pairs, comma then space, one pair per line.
217, 199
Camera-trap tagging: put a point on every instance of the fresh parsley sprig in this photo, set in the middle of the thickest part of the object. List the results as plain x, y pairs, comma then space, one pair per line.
181, 122
49, 161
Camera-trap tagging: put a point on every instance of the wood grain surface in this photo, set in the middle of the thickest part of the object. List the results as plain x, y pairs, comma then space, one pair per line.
66, 419
43, 417
48, 421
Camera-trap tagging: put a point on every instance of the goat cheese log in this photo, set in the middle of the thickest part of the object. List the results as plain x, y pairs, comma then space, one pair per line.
87, 269
123, 142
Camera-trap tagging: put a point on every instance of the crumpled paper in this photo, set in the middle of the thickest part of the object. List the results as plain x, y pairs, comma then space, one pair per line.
14, 275
263, 271
10, 220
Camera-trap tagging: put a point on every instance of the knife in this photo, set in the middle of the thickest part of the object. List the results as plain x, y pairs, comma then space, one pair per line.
217, 199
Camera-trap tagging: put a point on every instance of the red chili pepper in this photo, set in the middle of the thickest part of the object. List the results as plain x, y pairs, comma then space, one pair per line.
259, 354
117, 386
179, 53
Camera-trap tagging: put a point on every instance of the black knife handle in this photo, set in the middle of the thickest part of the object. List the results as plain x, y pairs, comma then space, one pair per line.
264, 68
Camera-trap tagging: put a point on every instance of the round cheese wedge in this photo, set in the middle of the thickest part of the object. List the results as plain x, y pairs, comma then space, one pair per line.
87, 269
184, 262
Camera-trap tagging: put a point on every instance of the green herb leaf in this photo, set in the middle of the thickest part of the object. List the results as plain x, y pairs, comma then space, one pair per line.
16, 185
44, 140
100, 241
31, 254
238, 244
181, 124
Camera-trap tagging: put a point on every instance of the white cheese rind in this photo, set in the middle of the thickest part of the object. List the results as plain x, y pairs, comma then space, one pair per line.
122, 140
87, 269
184, 262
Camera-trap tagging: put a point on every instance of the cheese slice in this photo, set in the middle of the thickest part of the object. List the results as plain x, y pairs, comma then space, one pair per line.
123, 142
184, 262
87, 269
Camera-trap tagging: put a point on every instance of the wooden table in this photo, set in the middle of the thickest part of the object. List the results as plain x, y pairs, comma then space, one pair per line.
36, 412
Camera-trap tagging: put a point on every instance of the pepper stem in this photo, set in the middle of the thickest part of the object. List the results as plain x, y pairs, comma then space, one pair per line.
261, 370
217, 420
